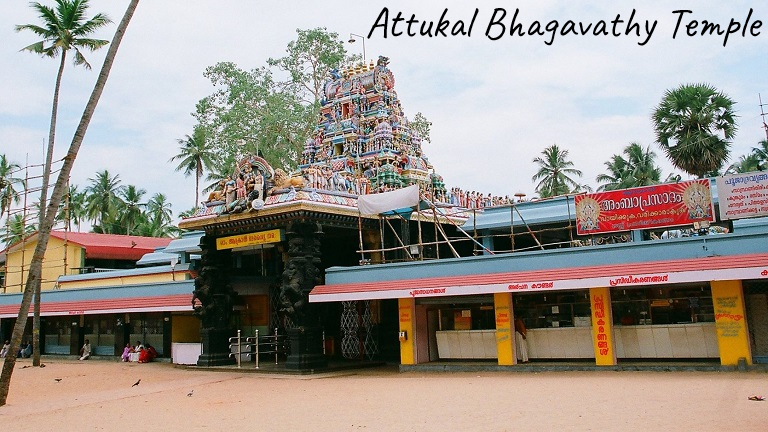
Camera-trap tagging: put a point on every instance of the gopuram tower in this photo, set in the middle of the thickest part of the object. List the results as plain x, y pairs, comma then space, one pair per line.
300, 223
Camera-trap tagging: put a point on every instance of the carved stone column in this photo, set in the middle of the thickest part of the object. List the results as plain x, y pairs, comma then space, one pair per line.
212, 300
301, 274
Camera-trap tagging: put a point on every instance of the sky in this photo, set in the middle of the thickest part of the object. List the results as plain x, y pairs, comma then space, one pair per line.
495, 100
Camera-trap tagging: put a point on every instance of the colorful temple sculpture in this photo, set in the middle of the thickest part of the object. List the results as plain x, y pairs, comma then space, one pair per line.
362, 144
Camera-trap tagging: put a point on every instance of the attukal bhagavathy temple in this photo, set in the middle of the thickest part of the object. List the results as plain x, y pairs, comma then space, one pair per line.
270, 235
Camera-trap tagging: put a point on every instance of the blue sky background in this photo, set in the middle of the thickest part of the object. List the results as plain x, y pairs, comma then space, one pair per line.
494, 105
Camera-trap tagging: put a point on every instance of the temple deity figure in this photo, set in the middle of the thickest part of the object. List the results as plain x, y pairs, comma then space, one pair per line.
230, 190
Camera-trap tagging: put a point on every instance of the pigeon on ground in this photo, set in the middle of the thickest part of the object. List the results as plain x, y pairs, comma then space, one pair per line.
136, 383
190, 392
42, 364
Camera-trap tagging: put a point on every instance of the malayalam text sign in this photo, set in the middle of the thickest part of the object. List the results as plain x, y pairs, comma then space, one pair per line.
743, 195
250, 239
644, 207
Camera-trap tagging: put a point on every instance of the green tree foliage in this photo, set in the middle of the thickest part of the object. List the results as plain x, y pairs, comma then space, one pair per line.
8, 183
308, 62
195, 156
270, 110
72, 208
638, 169
103, 200
130, 205
422, 126
17, 229
554, 173
745, 164
250, 112
761, 154
694, 125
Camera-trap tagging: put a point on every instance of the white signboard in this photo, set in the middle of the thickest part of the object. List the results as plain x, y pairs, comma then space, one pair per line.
743, 195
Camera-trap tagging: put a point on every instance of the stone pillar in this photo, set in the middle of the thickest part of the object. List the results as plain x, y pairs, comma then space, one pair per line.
302, 273
212, 300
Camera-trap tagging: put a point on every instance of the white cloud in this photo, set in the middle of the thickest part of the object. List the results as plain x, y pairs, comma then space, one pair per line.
494, 105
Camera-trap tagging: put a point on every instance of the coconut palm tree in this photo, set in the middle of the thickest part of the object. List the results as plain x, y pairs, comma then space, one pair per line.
18, 228
554, 172
745, 164
103, 199
642, 164
72, 208
130, 208
63, 29
617, 172
195, 155
637, 169
36, 264
159, 209
761, 153
8, 193
189, 213
694, 126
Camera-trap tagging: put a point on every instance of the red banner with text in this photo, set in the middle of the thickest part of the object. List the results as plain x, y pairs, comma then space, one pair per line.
644, 207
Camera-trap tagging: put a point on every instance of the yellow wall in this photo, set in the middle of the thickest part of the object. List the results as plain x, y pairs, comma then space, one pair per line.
126, 280
730, 320
504, 328
18, 262
185, 329
407, 313
602, 326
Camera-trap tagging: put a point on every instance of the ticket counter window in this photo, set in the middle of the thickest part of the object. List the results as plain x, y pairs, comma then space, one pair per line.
472, 317
662, 305
553, 310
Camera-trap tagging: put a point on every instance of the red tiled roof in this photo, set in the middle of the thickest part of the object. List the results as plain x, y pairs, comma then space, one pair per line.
113, 246
116, 305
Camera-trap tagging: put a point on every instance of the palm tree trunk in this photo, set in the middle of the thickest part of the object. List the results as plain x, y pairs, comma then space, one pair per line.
35, 268
43, 199
197, 189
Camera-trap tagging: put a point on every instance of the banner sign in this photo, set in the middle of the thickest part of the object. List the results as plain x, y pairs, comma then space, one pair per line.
645, 207
743, 195
250, 239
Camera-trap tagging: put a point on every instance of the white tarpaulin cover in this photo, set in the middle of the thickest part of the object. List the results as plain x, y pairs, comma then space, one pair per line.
386, 201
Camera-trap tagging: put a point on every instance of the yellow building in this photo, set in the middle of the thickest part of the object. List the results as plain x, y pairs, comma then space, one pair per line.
109, 289
71, 253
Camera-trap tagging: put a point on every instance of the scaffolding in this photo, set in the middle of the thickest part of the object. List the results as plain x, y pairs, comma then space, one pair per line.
441, 215
22, 214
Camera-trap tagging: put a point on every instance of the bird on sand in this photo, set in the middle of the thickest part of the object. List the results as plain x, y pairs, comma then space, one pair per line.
136, 383
57, 379
190, 393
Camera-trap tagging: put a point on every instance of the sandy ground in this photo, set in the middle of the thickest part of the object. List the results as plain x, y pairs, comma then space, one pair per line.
68, 395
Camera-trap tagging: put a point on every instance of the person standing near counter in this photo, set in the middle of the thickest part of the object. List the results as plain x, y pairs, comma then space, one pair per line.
521, 345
